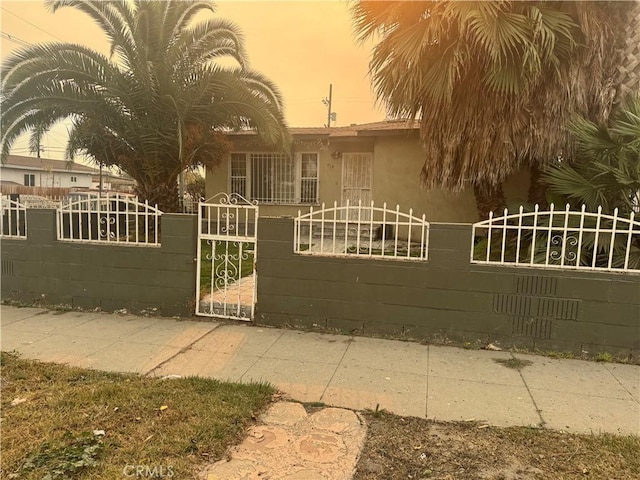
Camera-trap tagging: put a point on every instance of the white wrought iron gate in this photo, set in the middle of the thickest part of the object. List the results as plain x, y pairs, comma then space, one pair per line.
226, 276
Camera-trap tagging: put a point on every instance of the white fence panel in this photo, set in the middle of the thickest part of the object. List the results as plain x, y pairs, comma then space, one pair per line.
38, 201
362, 230
559, 239
13, 222
111, 218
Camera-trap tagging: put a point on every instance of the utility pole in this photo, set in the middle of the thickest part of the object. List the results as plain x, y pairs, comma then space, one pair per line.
100, 184
327, 101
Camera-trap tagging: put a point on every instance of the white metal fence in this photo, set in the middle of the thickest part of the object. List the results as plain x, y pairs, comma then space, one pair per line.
559, 239
111, 218
13, 222
362, 230
38, 201
190, 205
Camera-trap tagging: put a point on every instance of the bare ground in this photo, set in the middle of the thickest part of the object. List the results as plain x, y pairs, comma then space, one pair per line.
414, 448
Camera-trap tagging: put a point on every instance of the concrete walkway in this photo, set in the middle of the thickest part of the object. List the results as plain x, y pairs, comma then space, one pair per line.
435, 382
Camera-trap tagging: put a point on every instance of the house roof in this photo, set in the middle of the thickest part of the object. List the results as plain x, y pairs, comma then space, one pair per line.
353, 130
48, 164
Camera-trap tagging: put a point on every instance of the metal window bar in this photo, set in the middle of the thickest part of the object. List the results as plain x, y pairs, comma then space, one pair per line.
361, 230
569, 239
275, 177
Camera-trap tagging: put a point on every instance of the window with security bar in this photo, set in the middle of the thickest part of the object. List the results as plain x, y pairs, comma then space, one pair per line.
275, 177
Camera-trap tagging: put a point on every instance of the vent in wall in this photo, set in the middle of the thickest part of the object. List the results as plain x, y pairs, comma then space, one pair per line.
7, 267
536, 285
539, 307
518, 305
562, 309
531, 327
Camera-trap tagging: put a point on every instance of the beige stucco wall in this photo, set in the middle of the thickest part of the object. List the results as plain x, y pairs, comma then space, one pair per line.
396, 180
397, 161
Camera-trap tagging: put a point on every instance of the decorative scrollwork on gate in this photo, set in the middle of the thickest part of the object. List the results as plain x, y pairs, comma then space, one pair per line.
105, 227
561, 243
230, 199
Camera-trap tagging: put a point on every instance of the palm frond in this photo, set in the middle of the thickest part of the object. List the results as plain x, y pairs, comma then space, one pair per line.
153, 110
494, 84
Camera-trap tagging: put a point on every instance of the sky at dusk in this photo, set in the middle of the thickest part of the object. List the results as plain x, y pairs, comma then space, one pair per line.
303, 46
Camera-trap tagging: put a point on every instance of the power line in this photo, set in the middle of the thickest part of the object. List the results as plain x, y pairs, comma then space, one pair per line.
13, 38
32, 24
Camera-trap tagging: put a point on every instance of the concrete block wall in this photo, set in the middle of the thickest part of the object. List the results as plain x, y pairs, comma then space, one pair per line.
110, 277
446, 298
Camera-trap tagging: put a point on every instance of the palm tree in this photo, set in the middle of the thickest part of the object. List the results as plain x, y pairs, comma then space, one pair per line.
629, 67
159, 105
606, 168
493, 83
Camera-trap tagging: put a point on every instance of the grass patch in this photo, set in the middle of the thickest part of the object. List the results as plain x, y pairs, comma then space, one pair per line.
407, 447
237, 265
604, 357
515, 363
53, 417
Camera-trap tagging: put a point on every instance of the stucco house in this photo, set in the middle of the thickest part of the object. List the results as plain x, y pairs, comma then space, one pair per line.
45, 172
376, 161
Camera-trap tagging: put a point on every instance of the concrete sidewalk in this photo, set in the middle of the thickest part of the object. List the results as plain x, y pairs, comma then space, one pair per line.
435, 382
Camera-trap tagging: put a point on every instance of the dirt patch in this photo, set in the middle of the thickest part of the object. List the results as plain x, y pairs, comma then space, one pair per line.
414, 448
515, 363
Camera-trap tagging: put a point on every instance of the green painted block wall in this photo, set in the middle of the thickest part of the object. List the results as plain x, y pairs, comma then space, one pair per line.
445, 298
110, 277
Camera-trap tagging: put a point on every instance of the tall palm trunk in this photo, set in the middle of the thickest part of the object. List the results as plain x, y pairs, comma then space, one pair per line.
489, 198
164, 193
537, 194
629, 67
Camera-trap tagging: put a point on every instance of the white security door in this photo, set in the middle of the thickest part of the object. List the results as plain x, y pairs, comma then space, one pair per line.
226, 276
357, 181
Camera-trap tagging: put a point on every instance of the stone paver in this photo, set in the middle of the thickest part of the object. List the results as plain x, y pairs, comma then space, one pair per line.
291, 444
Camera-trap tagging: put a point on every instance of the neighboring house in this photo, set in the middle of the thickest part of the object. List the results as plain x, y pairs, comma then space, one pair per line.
377, 161
112, 182
45, 172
